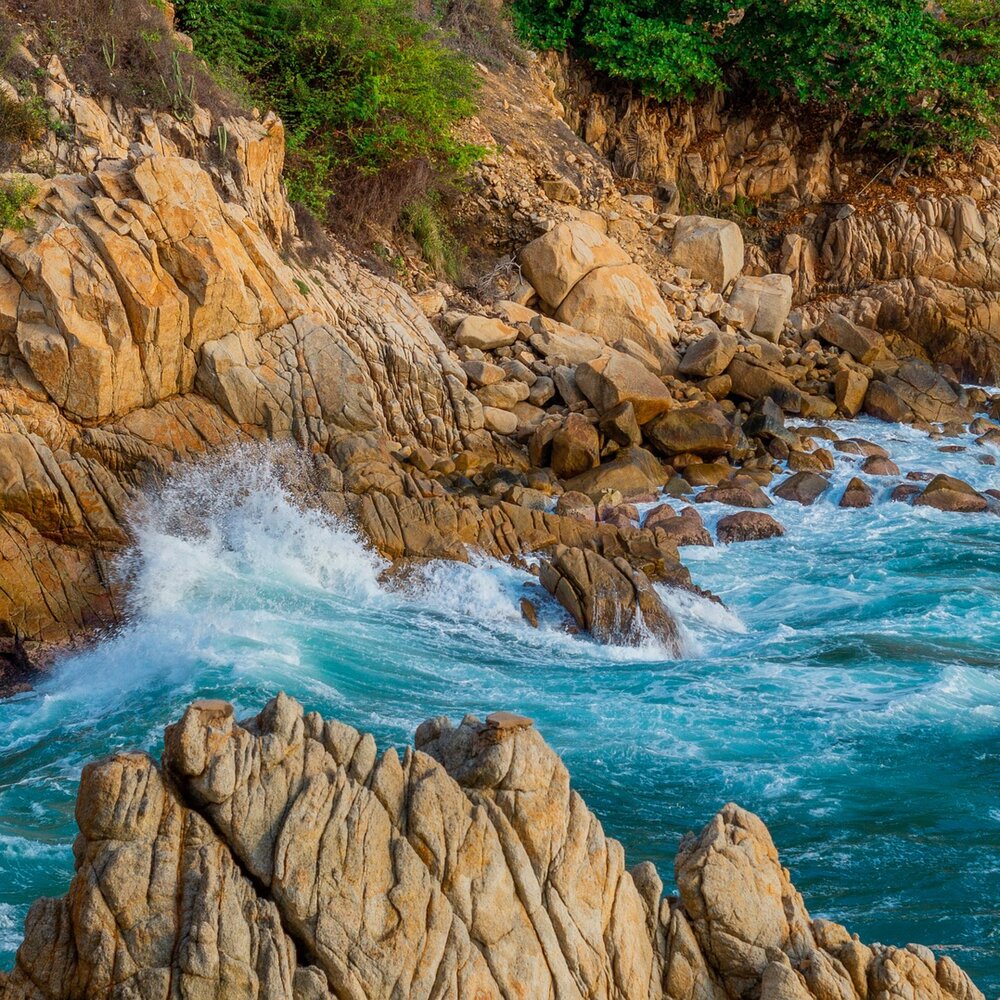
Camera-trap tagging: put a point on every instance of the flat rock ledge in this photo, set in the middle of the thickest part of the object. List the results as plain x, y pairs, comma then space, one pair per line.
282, 857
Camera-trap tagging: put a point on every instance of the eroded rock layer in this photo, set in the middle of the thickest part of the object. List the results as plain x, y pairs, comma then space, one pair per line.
283, 857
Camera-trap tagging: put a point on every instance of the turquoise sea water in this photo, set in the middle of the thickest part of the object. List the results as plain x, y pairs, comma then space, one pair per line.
849, 692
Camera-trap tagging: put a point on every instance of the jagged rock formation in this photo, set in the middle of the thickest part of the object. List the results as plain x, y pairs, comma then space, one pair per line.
145, 318
282, 857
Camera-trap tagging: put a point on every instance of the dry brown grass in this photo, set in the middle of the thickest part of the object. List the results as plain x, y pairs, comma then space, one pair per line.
123, 49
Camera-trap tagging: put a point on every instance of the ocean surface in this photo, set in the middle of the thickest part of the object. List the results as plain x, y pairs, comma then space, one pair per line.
849, 691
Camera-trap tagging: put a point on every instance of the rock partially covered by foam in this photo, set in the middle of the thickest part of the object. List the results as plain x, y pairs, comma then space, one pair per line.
282, 857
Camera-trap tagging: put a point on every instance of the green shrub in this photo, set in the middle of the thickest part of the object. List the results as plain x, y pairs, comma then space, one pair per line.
424, 222
915, 74
21, 124
14, 194
361, 85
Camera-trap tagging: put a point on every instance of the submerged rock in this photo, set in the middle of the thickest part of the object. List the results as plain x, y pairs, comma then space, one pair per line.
282, 858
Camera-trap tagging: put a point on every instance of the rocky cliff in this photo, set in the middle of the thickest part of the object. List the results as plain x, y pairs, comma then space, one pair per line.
148, 314
905, 252
283, 856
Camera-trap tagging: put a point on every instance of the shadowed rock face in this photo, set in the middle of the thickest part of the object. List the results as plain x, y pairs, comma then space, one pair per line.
282, 857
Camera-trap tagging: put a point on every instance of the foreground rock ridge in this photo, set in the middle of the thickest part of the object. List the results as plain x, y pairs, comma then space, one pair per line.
282, 857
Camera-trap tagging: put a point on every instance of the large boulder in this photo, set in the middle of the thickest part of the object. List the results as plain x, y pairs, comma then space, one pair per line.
951, 494
753, 381
803, 487
917, 392
861, 343
747, 526
484, 333
702, 429
762, 303
618, 302
850, 387
857, 494
575, 447
555, 262
711, 249
684, 528
632, 472
609, 599
709, 356
740, 491
284, 858
617, 378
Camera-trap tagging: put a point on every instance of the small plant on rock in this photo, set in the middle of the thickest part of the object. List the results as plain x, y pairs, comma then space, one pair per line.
14, 195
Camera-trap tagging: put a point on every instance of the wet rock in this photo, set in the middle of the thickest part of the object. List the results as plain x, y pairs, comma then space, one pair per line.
904, 493
17, 670
529, 612
613, 602
747, 526
808, 461
684, 528
857, 494
859, 446
803, 487
947, 493
740, 491
876, 465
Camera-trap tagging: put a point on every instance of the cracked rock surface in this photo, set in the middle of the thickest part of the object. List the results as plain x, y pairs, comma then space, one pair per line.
282, 856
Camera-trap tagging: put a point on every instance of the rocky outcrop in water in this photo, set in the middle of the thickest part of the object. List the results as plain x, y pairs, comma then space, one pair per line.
283, 857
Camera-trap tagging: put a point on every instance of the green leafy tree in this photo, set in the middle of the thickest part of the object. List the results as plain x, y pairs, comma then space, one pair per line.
919, 75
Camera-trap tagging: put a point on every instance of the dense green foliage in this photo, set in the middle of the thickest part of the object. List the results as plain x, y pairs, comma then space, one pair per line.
360, 84
918, 74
